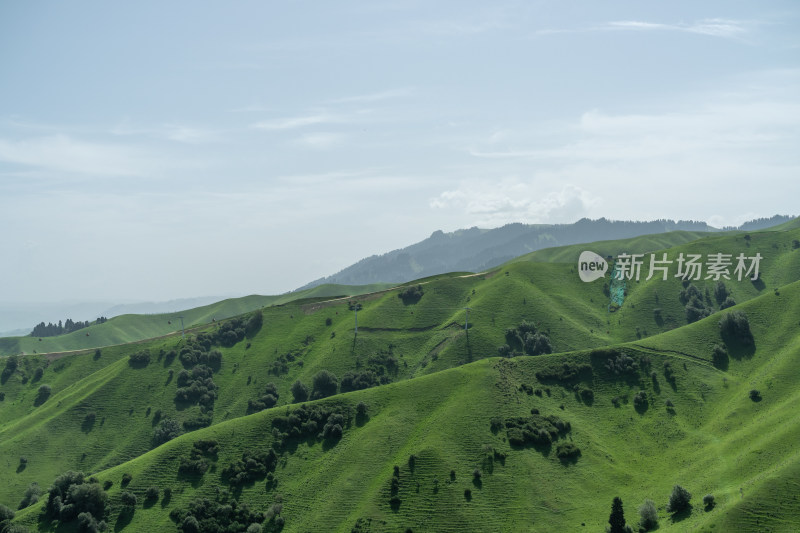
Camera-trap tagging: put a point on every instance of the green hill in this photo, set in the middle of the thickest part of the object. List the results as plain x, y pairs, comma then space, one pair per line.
130, 328
445, 387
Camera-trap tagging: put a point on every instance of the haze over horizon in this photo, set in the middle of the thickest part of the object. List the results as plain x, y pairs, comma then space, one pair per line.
161, 151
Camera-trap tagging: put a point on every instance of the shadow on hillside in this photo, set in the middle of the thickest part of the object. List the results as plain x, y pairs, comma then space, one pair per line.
166, 498
88, 424
656, 384
123, 519
21, 467
759, 284
41, 398
739, 350
682, 515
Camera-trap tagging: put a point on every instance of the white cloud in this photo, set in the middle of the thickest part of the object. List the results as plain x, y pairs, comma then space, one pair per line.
513, 200
174, 132
714, 27
289, 123
62, 153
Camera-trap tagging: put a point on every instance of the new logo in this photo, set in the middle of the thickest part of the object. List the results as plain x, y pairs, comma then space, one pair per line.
591, 266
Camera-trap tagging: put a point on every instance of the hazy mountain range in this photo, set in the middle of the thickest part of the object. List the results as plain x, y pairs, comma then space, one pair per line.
476, 249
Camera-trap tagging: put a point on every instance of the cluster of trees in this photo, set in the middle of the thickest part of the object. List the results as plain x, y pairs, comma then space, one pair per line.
536, 430
267, 400
411, 295
696, 307
679, 500
196, 463
12, 362
525, 339
205, 515
72, 497
303, 423
699, 305
195, 382
565, 373
620, 363
51, 330
379, 371
235, 330
139, 359
254, 465
166, 430
735, 328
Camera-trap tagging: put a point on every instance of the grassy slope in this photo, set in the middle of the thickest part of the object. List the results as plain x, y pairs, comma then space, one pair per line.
715, 441
130, 328
430, 339
637, 245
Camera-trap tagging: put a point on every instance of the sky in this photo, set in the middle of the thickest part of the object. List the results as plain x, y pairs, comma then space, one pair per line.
160, 150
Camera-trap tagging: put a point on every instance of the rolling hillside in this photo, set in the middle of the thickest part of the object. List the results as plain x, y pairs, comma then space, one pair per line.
131, 328
445, 387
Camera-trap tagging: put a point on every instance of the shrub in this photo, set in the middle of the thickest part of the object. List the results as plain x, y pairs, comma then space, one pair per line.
719, 355
325, 384
139, 359
467, 493
128, 499
640, 399
254, 323
708, 501
151, 494
6, 513
107, 484
43, 393
126, 478
411, 295
361, 409
476, 473
31, 496
679, 499
735, 327
23, 460
728, 302
648, 515
299, 391
587, 395
755, 395
38, 373
165, 431
567, 450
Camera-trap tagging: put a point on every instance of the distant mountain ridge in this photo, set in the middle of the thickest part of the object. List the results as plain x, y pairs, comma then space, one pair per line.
476, 249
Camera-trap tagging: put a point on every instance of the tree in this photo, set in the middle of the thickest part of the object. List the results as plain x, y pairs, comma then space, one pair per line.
648, 515
166, 430
128, 499
299, 391
325, 384
617, 517
679, 499
735, 327
6, 513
